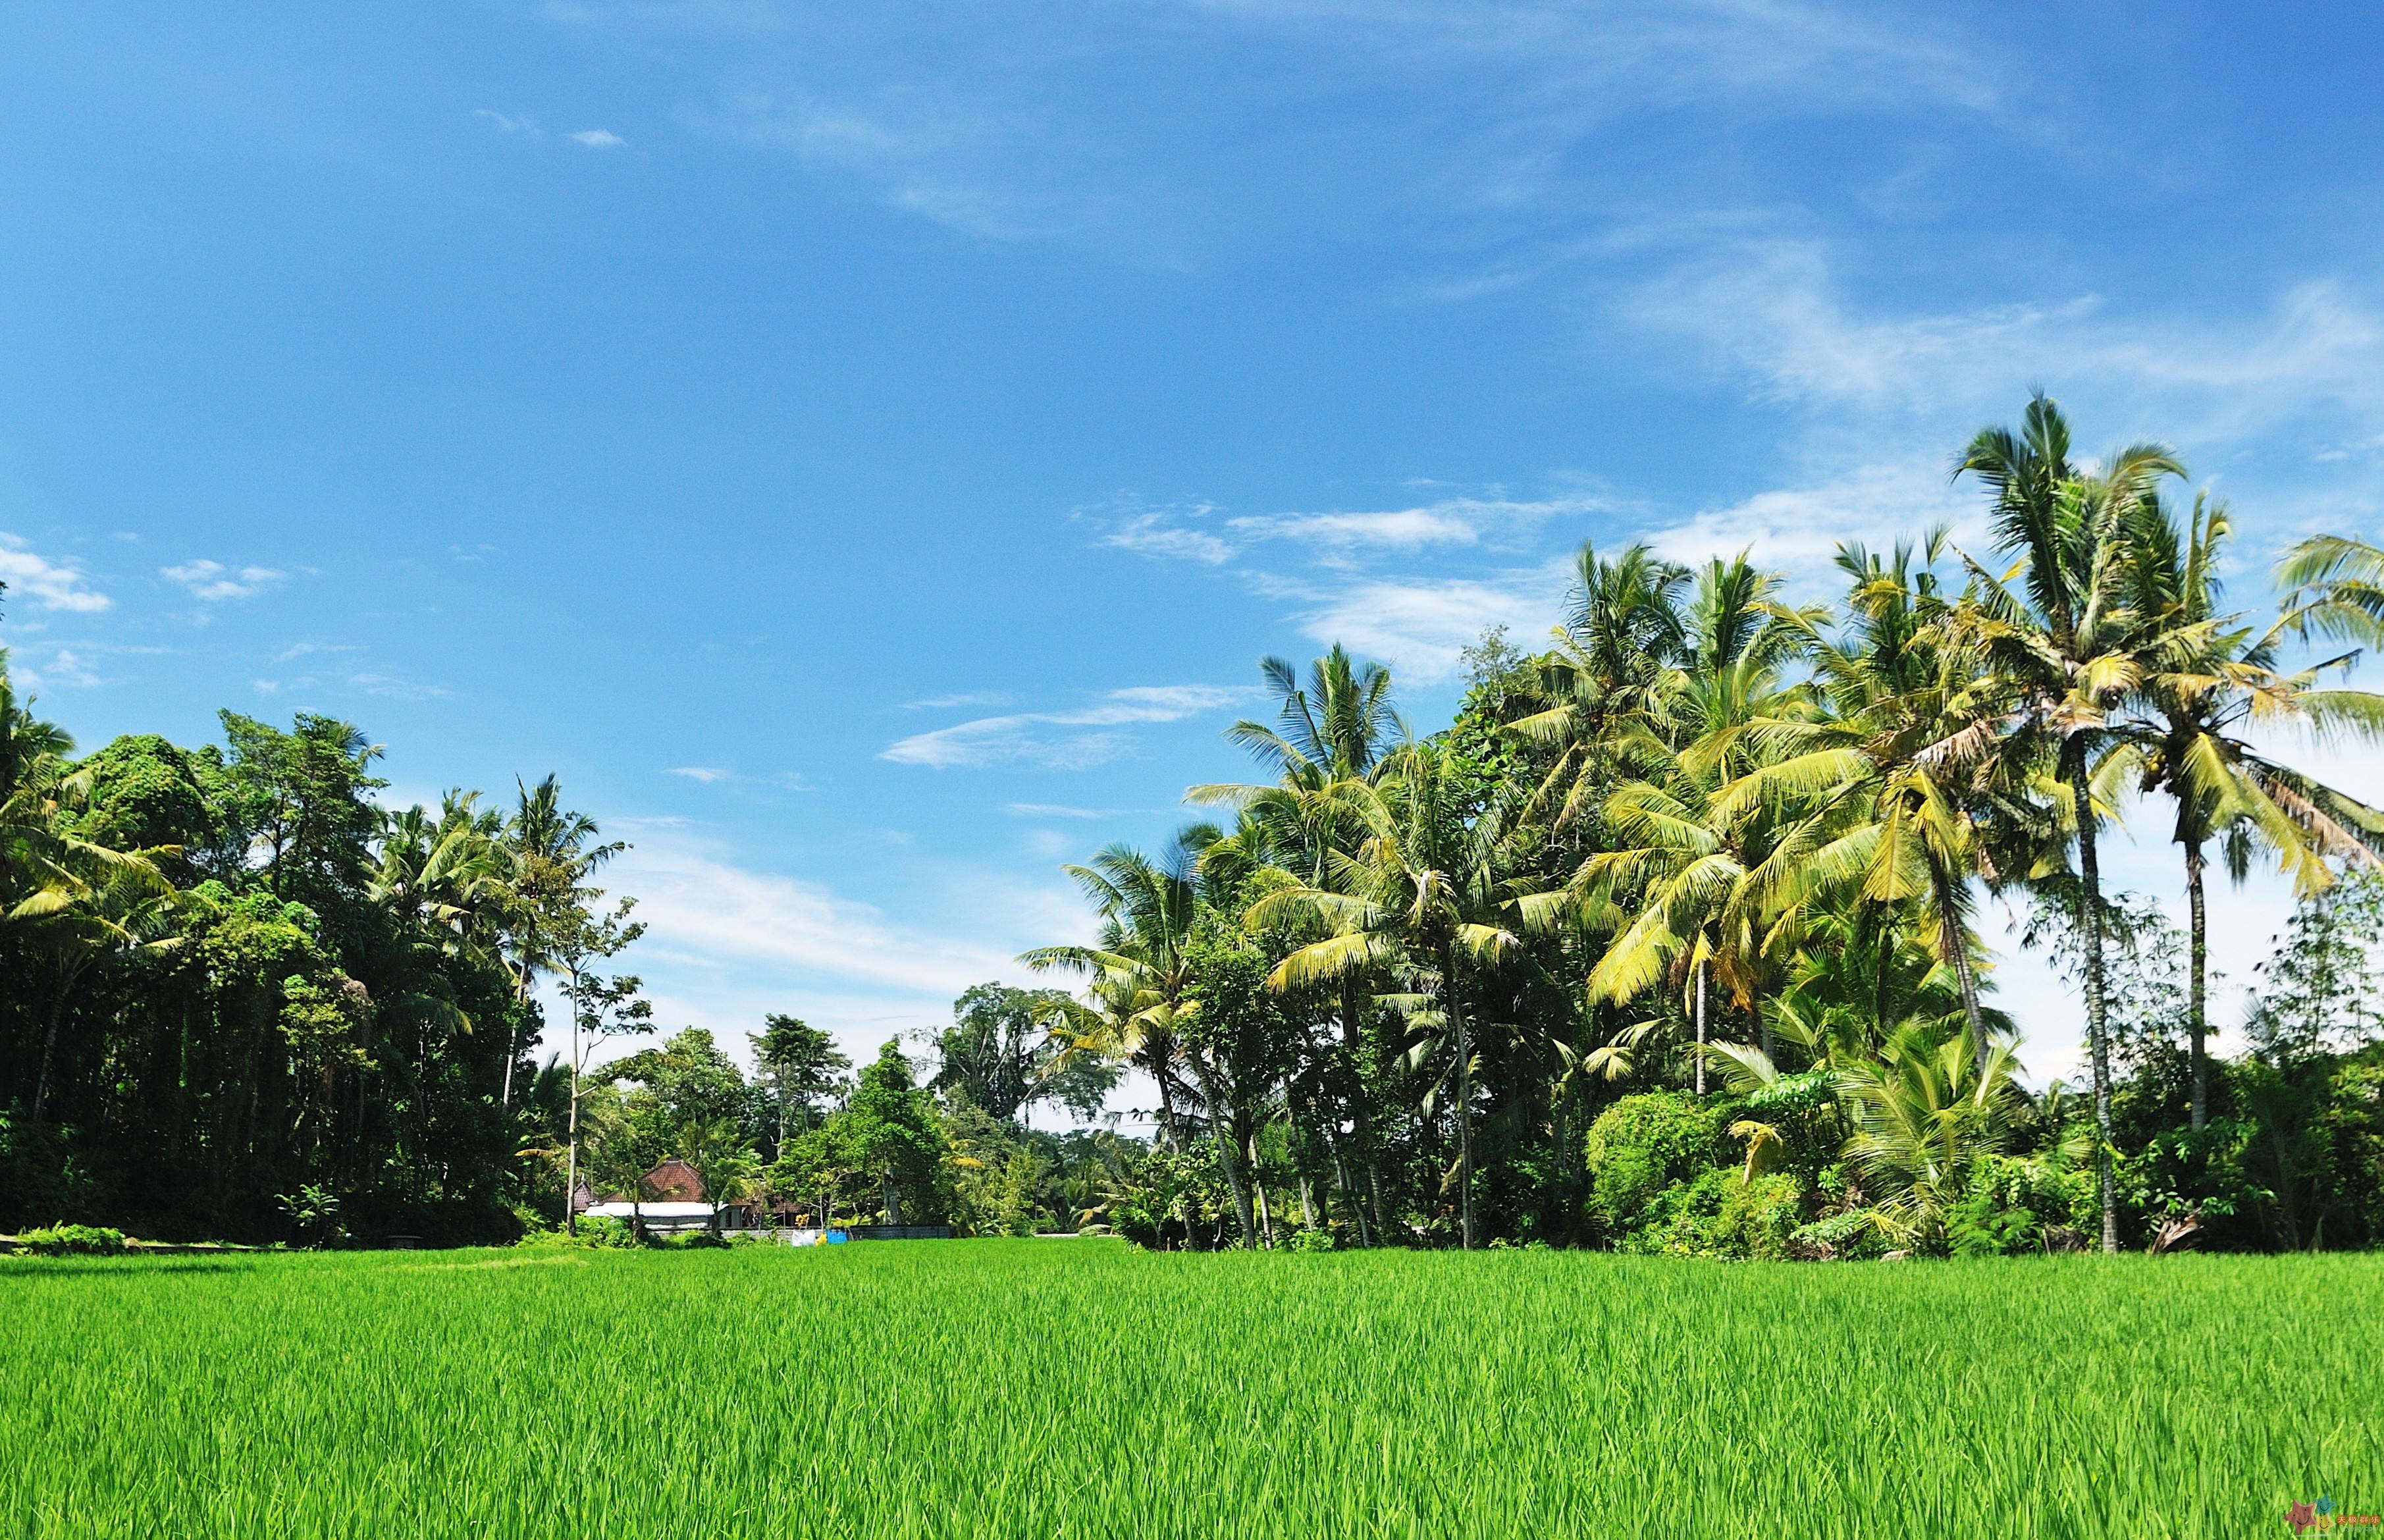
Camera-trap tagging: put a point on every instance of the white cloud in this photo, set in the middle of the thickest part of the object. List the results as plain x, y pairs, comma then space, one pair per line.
54, 585
1337, 537
212, 583
506, 124
945, 703
1776, 311
1163, 532
597, 139
696, 904
1028, 737
714, 775
1421, 626
1052, 810
1798, 529
1454, 521
395, 689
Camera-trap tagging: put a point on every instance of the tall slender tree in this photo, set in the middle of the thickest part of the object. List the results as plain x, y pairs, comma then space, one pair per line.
2068, 647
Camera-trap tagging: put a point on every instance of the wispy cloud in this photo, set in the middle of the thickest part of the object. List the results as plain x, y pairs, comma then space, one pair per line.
1421, 626
1053, 810
1166, 533
212, 583
1798, 529
1062, 739
505, 124
945, 703
597, 139
54, 585
714, 775
391, 687
696, 903
1192, 531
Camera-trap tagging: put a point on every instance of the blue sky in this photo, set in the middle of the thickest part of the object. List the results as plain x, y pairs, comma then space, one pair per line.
865, 450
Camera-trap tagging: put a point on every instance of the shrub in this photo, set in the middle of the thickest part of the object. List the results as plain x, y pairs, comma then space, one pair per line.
1642, 1146
74, 1240
600, 1232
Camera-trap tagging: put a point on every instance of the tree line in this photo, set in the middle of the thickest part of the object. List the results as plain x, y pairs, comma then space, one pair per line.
1669, 941
240, 1000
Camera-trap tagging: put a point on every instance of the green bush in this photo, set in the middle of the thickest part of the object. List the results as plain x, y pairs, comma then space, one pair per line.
1639, 1149
602, 1233
73, 1240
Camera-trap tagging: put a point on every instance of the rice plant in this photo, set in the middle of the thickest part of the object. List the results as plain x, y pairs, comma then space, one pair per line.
1085, 1389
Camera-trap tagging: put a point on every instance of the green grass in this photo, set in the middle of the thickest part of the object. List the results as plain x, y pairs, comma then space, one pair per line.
1080, 1388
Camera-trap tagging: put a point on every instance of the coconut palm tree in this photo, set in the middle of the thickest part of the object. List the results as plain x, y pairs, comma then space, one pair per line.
2067, 647
1623, 639
1136, 973
1911, 714
547, 854
1701, 864
1421, 896
1924, 1113
89, 910
2187, 742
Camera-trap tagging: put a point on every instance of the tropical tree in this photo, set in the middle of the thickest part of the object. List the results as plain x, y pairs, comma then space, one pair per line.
2223, 677
2067, 647
1421, 898
1898, 753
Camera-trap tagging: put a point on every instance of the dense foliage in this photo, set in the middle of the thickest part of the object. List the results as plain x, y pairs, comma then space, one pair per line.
1667, 942
1082, 1388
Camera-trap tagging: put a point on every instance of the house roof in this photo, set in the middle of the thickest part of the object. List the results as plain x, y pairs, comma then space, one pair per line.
675, 1181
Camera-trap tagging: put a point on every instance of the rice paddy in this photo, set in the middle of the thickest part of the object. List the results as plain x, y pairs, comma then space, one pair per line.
1080, 1388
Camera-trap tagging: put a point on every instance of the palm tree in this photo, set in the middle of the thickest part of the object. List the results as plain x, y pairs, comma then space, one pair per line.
2069, 649
1420, 896
1699, 858
1136, 973
1911, 714
1620, 649
1924, 1113
2187, 741
547, 853
88, 911
1338, 729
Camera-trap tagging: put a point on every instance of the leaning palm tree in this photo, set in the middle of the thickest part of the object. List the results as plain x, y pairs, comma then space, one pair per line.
1900, 750
547, 853
2068, 649
1137, 972
1421, 896
2188, 739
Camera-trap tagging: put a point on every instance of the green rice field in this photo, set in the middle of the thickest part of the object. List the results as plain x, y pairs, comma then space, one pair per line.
1080, 1388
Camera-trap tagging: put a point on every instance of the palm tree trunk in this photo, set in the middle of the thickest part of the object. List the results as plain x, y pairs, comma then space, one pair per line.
2196, 1019
1464, 1100
1352, 1043
1258, 1189
49, 1047
1951, 940
513, 1049
571, 1157
1701, 1026
2097, 1038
